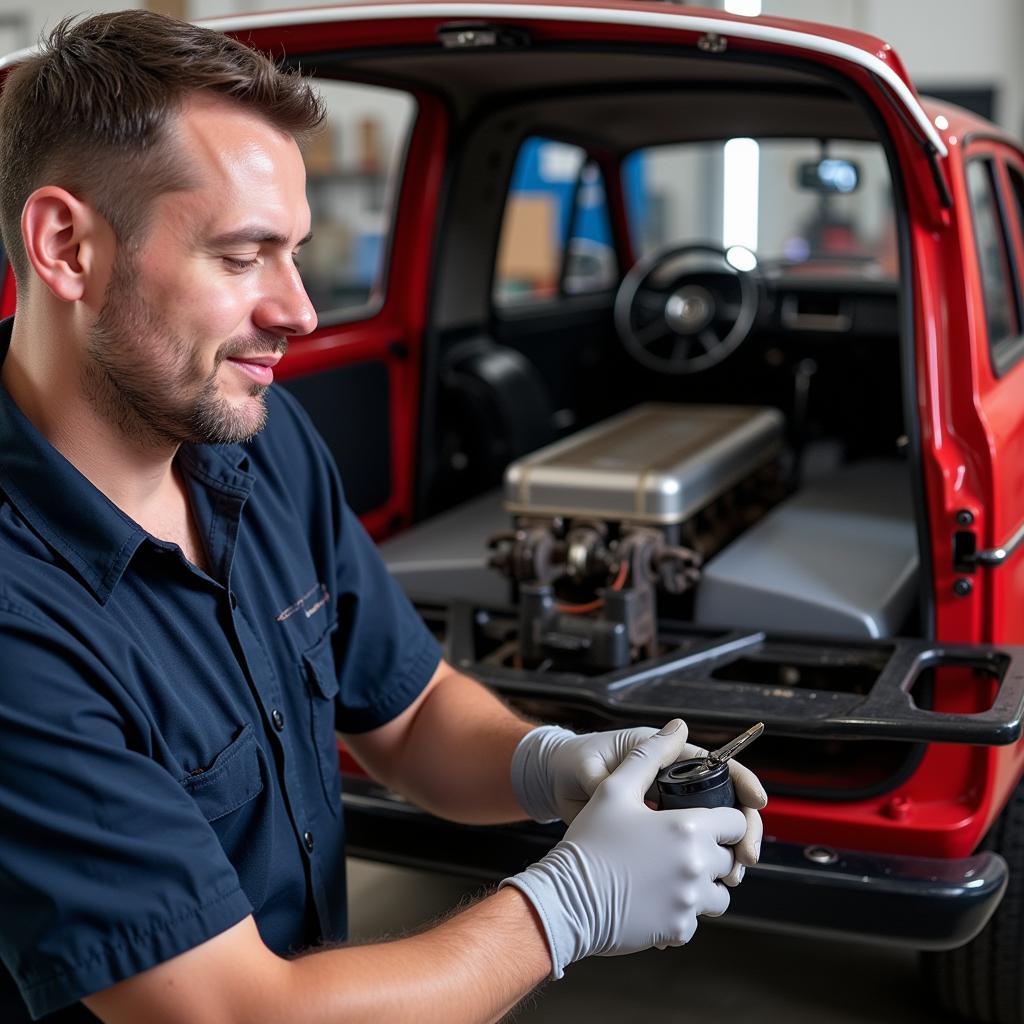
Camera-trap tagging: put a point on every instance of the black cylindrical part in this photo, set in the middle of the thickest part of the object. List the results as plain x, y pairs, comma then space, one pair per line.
696, 783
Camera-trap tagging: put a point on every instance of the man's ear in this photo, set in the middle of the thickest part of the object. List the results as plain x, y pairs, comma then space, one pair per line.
63, 241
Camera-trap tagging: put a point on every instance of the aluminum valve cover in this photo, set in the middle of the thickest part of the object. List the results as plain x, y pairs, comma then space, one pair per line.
656, 463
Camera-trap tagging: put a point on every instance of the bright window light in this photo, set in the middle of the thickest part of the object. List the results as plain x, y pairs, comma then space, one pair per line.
739, 199
741, 257
559, 162
752, 8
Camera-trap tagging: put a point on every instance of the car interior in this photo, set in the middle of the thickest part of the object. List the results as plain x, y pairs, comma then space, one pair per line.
713, 421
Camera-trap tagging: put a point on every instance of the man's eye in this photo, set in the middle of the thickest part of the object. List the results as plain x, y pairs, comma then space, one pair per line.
238, 264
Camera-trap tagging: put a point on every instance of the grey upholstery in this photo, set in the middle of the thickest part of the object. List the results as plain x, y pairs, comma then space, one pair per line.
446, 556
839, 558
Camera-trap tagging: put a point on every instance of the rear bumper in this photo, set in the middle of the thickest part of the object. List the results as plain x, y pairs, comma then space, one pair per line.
923, 903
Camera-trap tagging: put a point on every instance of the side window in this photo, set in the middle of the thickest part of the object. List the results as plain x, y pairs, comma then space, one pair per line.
1002, 313
353, 169
556, 234
1016, 353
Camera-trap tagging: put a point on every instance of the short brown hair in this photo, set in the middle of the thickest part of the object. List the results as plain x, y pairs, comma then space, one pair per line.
89, 112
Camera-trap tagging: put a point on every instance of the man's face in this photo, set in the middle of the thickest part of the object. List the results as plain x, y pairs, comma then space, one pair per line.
198, 311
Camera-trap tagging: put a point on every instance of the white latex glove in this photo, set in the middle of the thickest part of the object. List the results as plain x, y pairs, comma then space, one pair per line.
627, 877
555, 772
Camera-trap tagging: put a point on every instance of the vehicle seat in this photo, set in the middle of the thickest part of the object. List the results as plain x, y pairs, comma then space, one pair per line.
494, 406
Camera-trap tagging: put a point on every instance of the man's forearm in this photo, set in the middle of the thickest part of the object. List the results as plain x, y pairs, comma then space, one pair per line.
472, 968
455, 755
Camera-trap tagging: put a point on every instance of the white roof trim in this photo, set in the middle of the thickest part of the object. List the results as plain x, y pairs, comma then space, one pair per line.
752, 30
17, 55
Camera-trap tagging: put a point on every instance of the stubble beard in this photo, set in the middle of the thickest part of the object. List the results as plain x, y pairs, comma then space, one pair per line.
148, 382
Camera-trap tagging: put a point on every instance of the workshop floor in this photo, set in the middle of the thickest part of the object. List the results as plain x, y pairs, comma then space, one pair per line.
726, 975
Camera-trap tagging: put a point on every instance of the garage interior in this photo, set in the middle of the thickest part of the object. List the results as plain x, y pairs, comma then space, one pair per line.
728, 974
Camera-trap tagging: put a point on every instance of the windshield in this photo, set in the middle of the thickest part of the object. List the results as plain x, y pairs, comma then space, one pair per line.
816, 205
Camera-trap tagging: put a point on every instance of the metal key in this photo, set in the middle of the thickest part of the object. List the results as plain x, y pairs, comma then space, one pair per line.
733, 747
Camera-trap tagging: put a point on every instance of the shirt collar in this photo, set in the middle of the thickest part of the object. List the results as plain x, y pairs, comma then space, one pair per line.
70, 513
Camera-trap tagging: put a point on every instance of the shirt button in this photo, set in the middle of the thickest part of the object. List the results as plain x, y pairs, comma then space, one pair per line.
278, 719
307, 838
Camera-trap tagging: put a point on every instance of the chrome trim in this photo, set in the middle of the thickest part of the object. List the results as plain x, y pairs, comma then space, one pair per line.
992, 557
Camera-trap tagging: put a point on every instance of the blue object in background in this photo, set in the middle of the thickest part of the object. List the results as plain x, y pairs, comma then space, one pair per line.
366, 257
554, 175
561, 173
640, 209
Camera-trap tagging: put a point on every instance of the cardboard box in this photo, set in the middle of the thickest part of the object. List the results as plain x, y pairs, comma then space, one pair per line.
528, 256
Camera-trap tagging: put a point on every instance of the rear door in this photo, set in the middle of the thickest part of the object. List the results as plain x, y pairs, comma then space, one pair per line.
993, 175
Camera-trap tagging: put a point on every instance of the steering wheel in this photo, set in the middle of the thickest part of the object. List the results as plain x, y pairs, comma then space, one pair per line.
686, 308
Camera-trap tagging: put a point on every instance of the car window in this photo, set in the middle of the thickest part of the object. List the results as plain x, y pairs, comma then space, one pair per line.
761, 195
1009, 355
555, 233
352, 171
1002, 315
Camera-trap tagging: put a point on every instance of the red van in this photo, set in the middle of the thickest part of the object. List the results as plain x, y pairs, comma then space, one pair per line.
674, 359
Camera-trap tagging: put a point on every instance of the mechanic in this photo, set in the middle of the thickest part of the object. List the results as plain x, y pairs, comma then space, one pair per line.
188, 607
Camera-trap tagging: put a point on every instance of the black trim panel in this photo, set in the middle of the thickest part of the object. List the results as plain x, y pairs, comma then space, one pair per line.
699, 679
923, 903
350, 406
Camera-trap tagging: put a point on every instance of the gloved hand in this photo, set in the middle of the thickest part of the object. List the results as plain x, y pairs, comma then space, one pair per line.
626, 877
555, 771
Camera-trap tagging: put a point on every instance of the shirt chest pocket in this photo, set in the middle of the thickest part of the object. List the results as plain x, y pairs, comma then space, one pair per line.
232, 796
322, 685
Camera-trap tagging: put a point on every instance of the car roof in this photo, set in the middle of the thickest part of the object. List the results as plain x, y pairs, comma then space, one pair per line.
779, 35
957, 125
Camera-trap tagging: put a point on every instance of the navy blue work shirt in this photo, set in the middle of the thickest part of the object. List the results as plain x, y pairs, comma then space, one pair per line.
167, 737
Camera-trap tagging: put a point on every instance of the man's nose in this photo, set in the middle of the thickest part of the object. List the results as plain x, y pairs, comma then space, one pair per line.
285, 308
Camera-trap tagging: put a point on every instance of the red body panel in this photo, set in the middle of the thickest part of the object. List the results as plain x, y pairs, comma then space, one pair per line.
295, 34
971, 423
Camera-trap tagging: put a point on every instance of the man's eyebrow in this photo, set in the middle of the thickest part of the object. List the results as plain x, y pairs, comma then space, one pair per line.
254, 235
